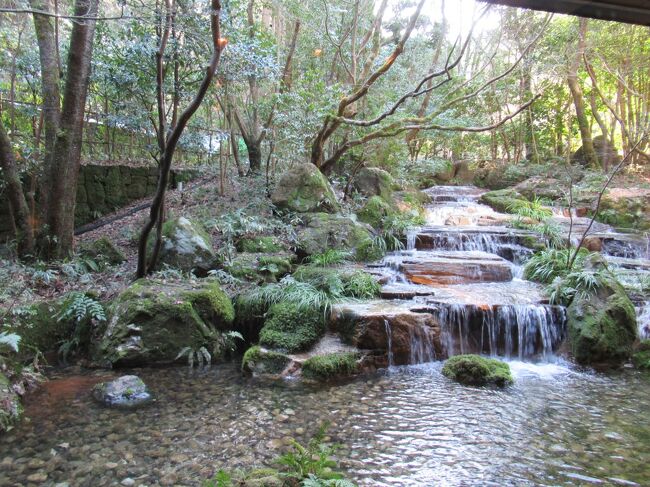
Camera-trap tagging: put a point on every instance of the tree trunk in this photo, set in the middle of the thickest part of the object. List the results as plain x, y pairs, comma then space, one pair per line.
17, 202
578, 99
46, 37
66, 158
254, 148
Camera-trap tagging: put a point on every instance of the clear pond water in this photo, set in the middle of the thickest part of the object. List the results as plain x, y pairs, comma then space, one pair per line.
407, 427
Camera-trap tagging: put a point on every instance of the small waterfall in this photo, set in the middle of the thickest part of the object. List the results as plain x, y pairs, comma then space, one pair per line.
523, 331
389, 344
411, 236
643, 320
422, 345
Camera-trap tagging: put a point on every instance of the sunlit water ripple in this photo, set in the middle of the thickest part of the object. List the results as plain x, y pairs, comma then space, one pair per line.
406, 427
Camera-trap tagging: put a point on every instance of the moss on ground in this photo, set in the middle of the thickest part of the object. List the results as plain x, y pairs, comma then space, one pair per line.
103, 251
332, 365
259, 243
290, 328
375, 211
475, 370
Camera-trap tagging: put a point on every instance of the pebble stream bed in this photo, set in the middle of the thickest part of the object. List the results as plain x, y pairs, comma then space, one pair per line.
406, 427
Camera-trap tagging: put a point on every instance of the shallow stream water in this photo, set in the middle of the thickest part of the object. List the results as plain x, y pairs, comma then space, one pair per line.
406, 427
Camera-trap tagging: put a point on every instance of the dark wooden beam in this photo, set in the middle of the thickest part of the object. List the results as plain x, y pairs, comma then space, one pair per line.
628, 11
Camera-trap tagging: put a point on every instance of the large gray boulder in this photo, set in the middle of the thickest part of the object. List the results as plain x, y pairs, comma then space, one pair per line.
323, 231
151, 322
373, 181
128, 391
186, 246
304, 189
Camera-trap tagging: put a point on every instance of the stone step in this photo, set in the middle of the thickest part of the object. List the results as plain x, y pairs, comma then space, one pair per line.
443, 268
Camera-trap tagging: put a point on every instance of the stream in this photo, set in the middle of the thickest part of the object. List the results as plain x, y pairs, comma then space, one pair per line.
404, 425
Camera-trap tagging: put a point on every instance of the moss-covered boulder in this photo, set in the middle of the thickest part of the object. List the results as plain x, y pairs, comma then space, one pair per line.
641, 357
474, 370
258, 361
151, 322
289, 328
186, 246
323, 231
602, 325
103, 251
259, 243
373, 181
375, 211
502, 199
304, 189
259, 268
626, 208
331, 366
10, 407
604, 149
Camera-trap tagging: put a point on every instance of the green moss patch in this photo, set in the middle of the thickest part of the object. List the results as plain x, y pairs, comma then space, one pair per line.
475, 370
333, 365
290, 328
103, 251
502, 200
263, 244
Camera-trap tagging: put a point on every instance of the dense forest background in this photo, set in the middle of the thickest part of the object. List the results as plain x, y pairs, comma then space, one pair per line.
342, 84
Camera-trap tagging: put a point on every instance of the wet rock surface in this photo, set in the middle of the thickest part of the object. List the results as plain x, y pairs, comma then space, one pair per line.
128, 391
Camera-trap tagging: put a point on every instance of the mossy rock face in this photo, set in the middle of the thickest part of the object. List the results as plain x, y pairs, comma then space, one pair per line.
630, 210
259, 361
103, 251
502, 199
259, 268
602, 326
375, 211
304, 189
331, 366
259, 243
474, 370
373, 181
11, 409
323, 231
291, 329
641, 358
150, 322
185, 246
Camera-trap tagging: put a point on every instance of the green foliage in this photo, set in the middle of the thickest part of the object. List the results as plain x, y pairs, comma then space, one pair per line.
330, 257
477, 371
258, 243
9, 341
323, 367
290, 328
83, 311
535, 209
549, 264
313, 459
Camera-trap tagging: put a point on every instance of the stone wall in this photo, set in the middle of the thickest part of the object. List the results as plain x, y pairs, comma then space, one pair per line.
104, 189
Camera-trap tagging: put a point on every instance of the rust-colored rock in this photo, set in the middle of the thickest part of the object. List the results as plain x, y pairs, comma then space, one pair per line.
443, 269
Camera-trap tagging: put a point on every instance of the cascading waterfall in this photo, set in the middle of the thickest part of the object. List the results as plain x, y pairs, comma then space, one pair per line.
522, 331
422, 345
389, 343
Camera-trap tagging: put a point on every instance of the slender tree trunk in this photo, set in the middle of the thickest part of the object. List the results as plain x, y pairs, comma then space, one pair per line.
17, 202
66, 158
578, 99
